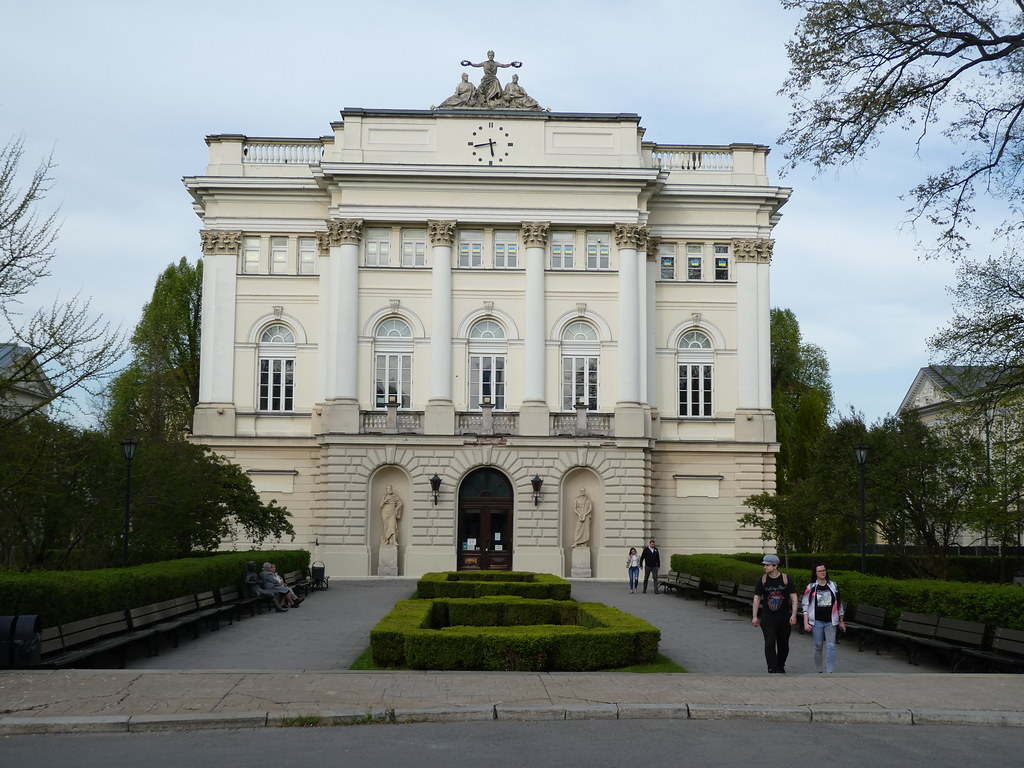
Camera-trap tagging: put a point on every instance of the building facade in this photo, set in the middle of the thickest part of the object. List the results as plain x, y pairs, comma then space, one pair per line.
490, 338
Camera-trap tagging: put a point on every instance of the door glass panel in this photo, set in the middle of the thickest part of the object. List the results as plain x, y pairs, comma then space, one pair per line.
469, 533
499, 530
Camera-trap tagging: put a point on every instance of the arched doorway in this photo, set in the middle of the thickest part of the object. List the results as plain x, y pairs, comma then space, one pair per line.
485, 522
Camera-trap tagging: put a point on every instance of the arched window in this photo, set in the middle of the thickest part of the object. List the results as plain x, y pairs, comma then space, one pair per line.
487, 356
580, 356
392, 348
277, 369
696, 381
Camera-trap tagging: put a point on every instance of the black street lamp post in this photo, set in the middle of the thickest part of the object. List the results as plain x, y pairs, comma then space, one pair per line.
861, 451
128, 447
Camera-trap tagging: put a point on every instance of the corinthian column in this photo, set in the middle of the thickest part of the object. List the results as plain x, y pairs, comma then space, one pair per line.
339, 310
216, 408
534, 410
440, 414
631, 240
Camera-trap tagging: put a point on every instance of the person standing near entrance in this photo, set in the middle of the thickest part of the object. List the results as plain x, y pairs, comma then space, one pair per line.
650, 559
775, 612
823, 612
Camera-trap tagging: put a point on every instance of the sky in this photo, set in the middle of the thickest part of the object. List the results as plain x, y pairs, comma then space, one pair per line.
124, 93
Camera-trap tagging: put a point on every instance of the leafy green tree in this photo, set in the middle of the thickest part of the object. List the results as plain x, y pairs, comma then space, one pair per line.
62, 347
801, 398
955, 69
927, 485
157, 393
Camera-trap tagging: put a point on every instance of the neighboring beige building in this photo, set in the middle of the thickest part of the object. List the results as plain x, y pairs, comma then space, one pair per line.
24, 386
490, 297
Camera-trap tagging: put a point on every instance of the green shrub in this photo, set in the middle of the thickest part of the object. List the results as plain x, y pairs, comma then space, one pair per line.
998, 605
540, 586
511, 633
58, 597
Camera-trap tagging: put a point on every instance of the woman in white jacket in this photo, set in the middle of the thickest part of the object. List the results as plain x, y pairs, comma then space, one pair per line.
823, 612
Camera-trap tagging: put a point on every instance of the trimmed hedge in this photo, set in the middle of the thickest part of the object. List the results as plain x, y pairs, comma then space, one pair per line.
58, 597
511, 634
539, 586
998, 605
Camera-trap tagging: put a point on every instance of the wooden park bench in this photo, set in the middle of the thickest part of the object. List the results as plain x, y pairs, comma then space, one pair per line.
689, 584
723, 590
1006, 654
950, 639
867, 619
73, 643
743, 599
669, 581
298, 581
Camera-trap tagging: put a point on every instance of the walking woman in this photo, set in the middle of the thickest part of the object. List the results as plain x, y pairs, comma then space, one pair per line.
633, 566
823, 612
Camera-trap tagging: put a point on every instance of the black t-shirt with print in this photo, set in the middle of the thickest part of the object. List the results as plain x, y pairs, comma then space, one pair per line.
775, 592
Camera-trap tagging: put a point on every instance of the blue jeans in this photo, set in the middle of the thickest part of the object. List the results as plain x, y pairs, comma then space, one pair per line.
824, 633
634, 576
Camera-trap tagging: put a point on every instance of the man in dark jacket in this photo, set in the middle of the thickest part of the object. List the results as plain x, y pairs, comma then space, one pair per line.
650, 559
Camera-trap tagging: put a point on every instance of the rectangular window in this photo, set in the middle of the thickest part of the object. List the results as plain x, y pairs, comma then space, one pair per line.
562, 250
694, 262
471, 248
414, 247
667, 260
251, 255
486, 380
721, 262
278, 255
277, 384
579, 382
307, 255
506, 249
598, 250
378, 247
393, 379
695, 389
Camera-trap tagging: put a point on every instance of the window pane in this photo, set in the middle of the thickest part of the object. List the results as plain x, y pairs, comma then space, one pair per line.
251, 255
278, 255
307, 255
562, 250
598, 251
414, 247
377, 247
721, 262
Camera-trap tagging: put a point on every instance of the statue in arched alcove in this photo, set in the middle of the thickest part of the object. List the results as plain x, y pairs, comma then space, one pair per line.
584, 509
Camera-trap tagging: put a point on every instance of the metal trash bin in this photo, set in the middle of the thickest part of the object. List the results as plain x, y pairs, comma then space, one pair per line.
21, 639
318, 577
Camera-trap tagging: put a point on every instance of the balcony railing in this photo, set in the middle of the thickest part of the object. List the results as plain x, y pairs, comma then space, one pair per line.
678, 158
484, 423
283, 151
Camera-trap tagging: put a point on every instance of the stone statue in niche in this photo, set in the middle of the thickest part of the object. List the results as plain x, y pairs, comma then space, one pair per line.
390, 513
584, 509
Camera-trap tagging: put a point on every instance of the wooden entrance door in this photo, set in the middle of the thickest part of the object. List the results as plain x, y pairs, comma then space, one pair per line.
485, 522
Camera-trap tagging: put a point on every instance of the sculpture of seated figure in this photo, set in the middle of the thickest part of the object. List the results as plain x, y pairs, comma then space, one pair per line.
465, 94
515, 95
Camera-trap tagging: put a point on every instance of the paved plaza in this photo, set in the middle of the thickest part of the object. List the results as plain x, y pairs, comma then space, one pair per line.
262, 670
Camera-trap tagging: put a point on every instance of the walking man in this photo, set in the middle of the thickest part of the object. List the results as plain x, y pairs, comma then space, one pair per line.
775, 612
651, 561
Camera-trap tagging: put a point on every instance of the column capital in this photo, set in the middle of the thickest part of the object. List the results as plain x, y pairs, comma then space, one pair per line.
323, 244
631, 236
341, 231
219, 241
535, 233
757, 249
653, 243
441, 232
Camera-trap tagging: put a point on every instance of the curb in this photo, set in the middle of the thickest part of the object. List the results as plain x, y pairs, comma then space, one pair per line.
19, 726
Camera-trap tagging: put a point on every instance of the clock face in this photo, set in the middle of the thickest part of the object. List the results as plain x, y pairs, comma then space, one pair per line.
490, 144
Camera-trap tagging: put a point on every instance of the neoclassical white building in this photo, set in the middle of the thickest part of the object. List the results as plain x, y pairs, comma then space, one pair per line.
491, 311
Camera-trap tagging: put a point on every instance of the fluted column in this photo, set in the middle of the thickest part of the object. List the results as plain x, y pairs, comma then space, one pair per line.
648, 381
534, 410
440, 413
339, 303
752, 261
216, 408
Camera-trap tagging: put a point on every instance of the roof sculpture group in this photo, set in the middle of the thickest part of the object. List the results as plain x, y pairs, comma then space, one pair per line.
489, 94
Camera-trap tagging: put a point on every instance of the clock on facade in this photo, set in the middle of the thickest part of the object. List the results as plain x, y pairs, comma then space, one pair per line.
490, 144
